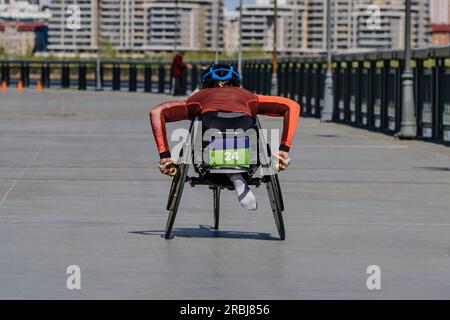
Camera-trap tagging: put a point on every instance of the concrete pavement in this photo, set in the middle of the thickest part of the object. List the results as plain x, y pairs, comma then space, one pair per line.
79, 186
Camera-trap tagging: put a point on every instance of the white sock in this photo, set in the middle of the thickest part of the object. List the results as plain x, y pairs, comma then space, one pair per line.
246, 197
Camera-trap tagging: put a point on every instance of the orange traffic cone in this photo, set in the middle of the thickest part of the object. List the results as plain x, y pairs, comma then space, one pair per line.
20, 85
4, 85
39, 86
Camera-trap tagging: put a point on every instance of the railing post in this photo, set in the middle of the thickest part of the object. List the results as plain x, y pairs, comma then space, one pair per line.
65, 81
267, 78
293, 82
161, 78
148, 78
444, 101
82, 76
315, 84
355, 92
44, 75
116, 77
346, 87
132, 86
194, 78
183, 83
25, 74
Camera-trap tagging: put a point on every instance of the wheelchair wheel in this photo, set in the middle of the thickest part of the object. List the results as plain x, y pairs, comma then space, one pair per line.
275, 202
280, 195
172, 187
172, 190
176, 191
216, 193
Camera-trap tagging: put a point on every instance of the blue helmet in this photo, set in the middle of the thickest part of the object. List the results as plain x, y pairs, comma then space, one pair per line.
220, 72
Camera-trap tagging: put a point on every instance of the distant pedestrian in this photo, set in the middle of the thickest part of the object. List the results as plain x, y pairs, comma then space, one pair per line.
178, 69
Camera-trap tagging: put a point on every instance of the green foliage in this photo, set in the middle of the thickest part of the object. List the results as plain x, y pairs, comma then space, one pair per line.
107, 50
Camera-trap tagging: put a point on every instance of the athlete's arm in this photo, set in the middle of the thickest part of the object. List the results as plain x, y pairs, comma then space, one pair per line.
166, 112
281, 107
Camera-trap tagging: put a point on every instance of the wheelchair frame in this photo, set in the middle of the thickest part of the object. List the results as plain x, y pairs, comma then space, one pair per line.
269, 177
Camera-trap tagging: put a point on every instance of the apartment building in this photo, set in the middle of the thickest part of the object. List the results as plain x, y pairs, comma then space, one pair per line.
18, 38
258, 26
183, 25
22, 27
302, 25
66, 33
22, 10
231, 32
389, 32
440, 22
137, 26
123, 24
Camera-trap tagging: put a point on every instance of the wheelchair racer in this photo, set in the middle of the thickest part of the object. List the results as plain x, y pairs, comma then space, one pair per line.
222, 97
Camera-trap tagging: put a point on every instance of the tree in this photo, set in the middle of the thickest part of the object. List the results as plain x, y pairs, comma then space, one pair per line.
2, 51
107, 50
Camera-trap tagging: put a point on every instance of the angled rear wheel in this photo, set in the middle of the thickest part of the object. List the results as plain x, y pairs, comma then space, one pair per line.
276, 203
176, 191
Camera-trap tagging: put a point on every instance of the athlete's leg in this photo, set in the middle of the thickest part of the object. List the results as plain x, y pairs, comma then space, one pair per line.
245, 195
224, 121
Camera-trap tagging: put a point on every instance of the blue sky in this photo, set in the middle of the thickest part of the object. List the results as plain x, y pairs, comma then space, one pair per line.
232, 4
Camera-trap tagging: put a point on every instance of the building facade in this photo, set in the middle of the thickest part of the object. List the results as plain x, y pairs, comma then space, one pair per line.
73, 26
18, 38
302, 25
440, 22
258, 26
137, 26
184, 25
23, 27
231, 32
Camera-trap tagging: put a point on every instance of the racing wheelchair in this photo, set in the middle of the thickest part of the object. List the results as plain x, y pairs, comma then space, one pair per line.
214, 173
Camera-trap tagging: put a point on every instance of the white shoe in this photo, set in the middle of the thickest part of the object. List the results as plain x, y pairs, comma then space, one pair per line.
245, 195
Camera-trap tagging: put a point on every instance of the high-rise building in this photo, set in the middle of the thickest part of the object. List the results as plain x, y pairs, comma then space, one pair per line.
231, 32
258, 26
183, 25
389, 31
22, 11
123, 24
302, 25
65, 34
138, 25
23, 27
440, 22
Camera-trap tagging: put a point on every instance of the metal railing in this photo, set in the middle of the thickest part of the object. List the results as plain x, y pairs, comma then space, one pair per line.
367, 90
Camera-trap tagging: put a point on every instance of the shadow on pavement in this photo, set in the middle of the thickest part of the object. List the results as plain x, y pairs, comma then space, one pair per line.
208, 232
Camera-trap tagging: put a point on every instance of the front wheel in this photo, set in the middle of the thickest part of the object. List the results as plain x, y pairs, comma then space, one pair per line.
275, 203
216, 193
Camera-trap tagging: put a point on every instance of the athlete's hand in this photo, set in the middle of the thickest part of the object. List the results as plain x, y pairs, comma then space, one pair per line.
167, 166
283, 160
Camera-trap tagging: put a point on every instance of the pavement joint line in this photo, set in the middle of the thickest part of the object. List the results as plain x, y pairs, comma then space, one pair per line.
22, 173
105, 180
291, 169
355, 147
378, 224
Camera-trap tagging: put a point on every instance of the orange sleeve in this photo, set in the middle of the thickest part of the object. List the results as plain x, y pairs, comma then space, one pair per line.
167, 112
281, 107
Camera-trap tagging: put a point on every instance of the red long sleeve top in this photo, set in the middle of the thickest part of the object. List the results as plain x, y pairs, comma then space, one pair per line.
227, 99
